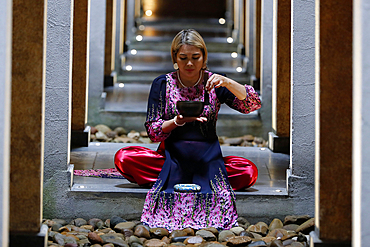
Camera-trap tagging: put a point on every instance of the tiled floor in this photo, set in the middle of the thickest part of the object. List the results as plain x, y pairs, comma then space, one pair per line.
271, 166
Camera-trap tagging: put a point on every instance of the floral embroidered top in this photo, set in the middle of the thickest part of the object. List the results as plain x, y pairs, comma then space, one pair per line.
192, 156
165, 93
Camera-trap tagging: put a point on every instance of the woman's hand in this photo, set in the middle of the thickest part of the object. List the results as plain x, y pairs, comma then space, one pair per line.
181, 120
216, 81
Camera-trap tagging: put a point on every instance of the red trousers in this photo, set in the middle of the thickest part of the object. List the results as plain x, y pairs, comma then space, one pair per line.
142, 166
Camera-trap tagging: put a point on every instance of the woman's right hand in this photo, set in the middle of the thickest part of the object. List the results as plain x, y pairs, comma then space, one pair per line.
181, 120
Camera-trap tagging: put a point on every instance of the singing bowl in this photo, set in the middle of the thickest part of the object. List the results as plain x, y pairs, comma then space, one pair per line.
190, 108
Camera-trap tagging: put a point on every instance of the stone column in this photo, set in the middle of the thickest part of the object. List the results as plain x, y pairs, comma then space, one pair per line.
58, 102
361, 124
257, 57
266, 64
279, 140
302, 145
110, 76
80, 73
334, 121
96, 61
5, 90
118, 47
250, 39
27, 122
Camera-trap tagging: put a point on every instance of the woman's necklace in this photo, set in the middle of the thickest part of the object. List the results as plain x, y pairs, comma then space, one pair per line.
178, 76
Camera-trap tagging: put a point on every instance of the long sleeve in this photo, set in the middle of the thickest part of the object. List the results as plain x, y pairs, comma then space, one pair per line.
251, 103
156, 110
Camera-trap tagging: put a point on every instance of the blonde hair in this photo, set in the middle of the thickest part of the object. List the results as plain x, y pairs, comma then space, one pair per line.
188, 37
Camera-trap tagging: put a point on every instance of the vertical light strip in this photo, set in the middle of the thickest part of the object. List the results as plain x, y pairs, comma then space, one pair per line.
357, 125
274, 64
317, 113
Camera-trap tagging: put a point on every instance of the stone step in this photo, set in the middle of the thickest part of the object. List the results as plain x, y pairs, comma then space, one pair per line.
267, 198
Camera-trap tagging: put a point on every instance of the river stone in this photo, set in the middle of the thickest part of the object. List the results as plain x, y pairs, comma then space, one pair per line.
154, 243
176, 244
256, 235
213, 230
136, 244
178, 233
49, 223
291, 227
268, 239
94, 238
133, 239
194, 240
60, 221
115, 220
142, 232
111, 134
207, 235
67, 234
88, 227
56, 226
301, 238
114, 239
59, 239
120, 131
275, 224
288, 242
307, 226
100, 136
246, 233
257, 244
103, 128
225, 235
78, 222
260, 228
239, 241
297, 244
96, 223
108, 245
235, 141
296, 219
166, 240
71, 245
69, 240
237, 230
179, 239
189, 231
124, 225
211, 244
159, 232
127, 232
277, 243
278, 233
133, 134
107, 223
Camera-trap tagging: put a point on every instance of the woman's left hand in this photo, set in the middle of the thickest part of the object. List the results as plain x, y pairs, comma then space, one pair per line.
217, 81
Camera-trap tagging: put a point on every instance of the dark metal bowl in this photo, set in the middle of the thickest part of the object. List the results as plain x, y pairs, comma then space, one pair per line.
190, 108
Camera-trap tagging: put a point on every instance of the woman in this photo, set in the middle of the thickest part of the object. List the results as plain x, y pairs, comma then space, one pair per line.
189, 150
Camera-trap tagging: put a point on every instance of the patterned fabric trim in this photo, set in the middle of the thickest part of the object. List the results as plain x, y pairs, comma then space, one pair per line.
99, 173
176, 211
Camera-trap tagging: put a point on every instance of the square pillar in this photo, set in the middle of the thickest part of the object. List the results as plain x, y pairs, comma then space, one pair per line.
302, 131
27, 121
80, 73
279, 139
361, 124
257, 45
57, 105
5, 92
333, 122
266, 65
110, 77
96, 97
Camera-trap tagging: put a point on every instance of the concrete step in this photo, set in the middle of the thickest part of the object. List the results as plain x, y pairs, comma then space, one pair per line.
267, 198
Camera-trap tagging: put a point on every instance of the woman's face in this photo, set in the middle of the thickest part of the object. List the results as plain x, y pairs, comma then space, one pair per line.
190, 61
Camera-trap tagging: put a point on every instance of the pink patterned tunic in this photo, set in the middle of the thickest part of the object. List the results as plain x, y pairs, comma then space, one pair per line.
193, 155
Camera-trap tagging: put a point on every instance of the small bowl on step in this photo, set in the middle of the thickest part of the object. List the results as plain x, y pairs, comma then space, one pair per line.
190, 108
